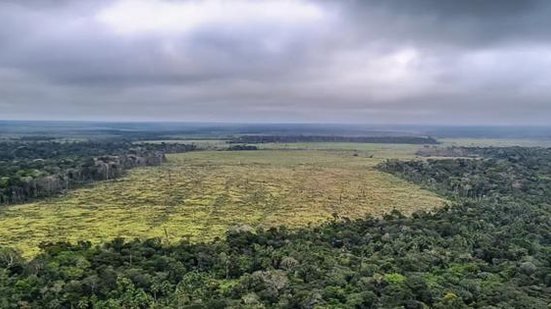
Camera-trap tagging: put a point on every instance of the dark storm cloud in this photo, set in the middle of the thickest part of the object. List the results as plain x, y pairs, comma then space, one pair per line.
429, 61
474, 21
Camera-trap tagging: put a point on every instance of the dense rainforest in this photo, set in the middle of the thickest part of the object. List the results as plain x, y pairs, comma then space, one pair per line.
520, 172
490, 249
34, 168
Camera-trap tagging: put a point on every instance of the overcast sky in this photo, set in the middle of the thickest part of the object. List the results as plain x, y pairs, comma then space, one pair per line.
365, 61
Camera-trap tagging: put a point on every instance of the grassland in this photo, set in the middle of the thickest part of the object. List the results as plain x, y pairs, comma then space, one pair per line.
199, 195
375, 151
381, 151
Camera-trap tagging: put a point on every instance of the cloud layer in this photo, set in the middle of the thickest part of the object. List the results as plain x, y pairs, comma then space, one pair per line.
368, 61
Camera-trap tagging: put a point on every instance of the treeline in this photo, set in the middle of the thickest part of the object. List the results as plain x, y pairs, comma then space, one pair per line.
485, 252
435, 151
515, 171
510, 153
242, 147
257, 139
37, 169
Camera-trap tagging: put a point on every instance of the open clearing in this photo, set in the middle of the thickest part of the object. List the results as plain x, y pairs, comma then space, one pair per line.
198, 195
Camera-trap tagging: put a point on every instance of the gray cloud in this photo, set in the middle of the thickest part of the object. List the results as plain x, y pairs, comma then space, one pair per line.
448, 22
369, 61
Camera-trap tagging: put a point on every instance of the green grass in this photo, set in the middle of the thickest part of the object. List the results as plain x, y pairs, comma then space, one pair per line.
376, 151
380, 151
198, 195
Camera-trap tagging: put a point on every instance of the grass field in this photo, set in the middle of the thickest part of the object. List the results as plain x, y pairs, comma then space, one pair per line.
380, 151
376, 151
198, 195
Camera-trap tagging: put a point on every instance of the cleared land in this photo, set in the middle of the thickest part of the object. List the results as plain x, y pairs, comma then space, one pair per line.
198, 195
380, 151
375, 151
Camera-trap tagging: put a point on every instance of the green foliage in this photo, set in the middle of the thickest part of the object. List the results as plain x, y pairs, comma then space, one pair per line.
490, 250
394, 278
38, 169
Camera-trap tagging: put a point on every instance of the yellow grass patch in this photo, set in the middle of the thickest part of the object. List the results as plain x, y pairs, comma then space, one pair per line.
198, 195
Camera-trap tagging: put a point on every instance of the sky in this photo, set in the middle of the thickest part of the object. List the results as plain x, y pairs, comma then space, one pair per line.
446, 62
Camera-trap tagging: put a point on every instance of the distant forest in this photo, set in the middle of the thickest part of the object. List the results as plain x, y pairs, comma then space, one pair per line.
256, 139
490, 249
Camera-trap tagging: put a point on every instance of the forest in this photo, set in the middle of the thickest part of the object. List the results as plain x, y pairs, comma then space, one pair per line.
33, 168
256, 139
490, 248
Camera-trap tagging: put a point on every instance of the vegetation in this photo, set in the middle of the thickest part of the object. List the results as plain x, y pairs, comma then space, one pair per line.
242, 147
257, 139
513, 171
199, 144
378, 152
41, 168
496, 142
490, 250
199, 195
